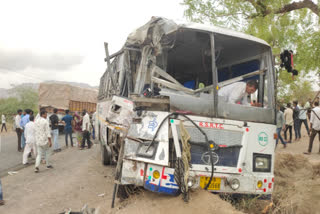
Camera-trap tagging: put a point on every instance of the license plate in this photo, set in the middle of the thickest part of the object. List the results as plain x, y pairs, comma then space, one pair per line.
214, 185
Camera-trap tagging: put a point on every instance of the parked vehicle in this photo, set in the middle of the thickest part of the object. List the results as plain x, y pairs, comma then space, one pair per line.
161, 120
65, 96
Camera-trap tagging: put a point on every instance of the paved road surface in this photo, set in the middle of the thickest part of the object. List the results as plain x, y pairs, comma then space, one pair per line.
10, 158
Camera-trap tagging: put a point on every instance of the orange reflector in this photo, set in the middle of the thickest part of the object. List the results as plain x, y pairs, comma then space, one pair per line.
275, 136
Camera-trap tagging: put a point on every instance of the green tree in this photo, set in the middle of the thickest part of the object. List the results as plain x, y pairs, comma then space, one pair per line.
284, 24
25, 98
28, 98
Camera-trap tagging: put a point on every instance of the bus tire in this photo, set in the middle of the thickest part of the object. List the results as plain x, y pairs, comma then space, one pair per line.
106, 156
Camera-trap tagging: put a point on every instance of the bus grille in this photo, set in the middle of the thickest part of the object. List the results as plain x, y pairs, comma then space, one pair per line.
228, 154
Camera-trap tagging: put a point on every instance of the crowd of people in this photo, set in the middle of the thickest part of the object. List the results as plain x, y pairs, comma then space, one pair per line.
293, 116
37, 134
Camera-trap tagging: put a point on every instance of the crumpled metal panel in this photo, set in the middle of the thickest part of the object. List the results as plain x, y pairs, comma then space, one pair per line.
132, 172
161, 26
122, 116
150, 122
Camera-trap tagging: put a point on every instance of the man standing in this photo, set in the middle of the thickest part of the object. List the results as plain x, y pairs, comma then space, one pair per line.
43, 140
29, 134
307, 106
296, 121
23, 123
54, 120
17, 121
1, 195
67, 119
288, 117
280, 126
94, 125
85, 130
3, 120
314, 126
303, 119
238, 92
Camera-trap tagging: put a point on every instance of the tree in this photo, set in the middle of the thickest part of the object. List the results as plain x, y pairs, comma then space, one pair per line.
284, 24
26, 98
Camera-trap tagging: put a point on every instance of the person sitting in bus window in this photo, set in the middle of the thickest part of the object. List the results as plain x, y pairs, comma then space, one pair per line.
238, 92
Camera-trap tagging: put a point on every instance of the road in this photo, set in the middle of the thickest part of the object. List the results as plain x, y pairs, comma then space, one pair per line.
10, 158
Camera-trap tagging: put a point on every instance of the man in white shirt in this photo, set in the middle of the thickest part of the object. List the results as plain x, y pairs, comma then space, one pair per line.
303, 118
3, 121
314, 126
17, 121
29, 134
238, 92
43, 140
307, 106
85, 130
288, 117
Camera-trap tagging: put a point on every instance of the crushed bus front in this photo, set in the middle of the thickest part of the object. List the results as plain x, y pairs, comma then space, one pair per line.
164, 124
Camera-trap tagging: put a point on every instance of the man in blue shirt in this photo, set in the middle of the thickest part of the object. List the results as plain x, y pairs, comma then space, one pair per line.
68, 127
23, 124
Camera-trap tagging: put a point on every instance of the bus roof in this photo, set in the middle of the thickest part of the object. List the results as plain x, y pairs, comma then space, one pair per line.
162, 26
220, 30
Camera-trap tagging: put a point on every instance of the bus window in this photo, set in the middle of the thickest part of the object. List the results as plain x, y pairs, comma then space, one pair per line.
189, 61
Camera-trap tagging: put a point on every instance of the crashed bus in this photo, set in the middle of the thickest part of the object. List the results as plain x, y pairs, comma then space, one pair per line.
161, 119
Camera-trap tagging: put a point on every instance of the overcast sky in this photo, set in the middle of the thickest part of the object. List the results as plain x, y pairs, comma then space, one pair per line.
63, 39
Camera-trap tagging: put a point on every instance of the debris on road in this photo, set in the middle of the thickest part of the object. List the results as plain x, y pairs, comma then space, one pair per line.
12, 173
84, 210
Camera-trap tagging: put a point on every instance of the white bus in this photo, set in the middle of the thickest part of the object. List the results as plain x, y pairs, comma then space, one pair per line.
161, 118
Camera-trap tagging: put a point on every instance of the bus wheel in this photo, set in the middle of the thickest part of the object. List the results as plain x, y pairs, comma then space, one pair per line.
106, 156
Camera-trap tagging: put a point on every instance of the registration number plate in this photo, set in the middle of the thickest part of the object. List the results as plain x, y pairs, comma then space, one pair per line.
214, 185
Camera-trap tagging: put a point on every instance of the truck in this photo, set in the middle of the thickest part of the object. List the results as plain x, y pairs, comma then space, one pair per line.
64, 96
162, 121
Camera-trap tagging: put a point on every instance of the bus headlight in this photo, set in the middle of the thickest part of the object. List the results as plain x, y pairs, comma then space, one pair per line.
261, 162
259, 184
235, 184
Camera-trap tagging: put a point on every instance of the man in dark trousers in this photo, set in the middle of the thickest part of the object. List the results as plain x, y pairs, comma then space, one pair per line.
296, 120
67, 119
85, 130
3, 119
1, 196
314, 126
18, 128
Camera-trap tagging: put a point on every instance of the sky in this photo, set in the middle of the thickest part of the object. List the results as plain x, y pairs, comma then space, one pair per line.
63, 39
